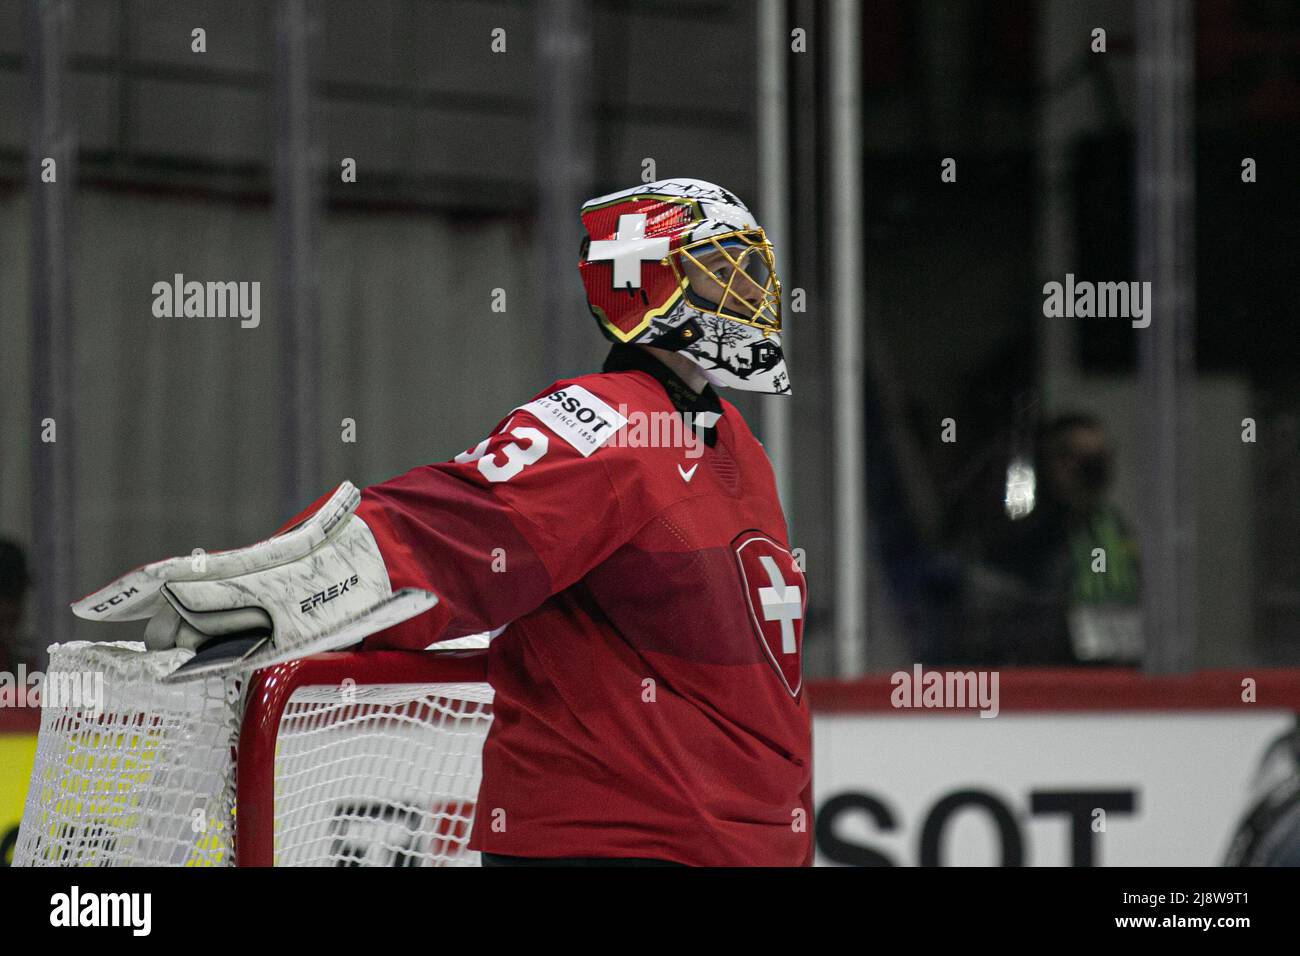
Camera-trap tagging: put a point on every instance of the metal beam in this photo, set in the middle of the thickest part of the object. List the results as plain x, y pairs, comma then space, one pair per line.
297, 212
564, 177
1167, 348
847, 282
774, 192
53, 136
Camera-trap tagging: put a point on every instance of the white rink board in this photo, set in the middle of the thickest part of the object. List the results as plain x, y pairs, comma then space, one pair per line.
1190, 774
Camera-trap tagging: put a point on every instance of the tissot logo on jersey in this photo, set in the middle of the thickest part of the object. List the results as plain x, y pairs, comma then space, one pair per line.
777, 594
577, 416
571, 404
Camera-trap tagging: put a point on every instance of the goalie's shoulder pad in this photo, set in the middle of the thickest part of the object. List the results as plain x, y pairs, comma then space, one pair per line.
576, 414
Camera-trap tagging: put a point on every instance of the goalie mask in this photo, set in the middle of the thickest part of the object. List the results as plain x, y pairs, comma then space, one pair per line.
682, 264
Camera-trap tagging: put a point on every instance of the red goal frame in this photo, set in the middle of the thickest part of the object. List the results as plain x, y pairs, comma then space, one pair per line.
268, 694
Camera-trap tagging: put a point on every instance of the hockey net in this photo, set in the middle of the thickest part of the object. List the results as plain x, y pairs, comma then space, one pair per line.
343, 759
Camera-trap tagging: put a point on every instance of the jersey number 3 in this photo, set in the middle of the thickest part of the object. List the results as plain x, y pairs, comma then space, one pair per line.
511, 458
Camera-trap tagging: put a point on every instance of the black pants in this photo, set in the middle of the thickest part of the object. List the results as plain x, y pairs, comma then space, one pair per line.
497, 859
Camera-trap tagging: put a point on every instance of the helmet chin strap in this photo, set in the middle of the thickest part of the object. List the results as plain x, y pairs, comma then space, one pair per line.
684, 336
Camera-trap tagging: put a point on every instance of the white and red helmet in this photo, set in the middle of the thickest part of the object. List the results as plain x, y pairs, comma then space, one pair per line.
682, 264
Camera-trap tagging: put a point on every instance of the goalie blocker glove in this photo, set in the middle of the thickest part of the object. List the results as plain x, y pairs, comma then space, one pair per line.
317, 586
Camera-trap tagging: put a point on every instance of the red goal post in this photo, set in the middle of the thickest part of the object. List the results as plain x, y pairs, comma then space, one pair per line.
271, 696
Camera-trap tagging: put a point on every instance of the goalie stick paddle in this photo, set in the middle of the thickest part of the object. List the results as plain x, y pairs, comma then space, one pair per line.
215, 654
241, 654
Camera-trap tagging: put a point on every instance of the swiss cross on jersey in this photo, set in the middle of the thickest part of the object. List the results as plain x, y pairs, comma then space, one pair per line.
777, 596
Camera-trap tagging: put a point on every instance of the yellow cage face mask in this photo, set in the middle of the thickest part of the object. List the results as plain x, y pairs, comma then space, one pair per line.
732, 276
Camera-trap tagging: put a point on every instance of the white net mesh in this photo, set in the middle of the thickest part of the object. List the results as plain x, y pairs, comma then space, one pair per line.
379, 775
128, 771
134, 772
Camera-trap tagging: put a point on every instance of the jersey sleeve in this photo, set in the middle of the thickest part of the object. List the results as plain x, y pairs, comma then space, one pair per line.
503, 526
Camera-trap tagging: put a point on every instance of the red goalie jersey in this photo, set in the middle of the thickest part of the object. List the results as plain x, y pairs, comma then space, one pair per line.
648, 684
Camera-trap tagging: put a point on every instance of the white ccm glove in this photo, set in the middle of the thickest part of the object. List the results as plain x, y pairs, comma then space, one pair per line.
320, 586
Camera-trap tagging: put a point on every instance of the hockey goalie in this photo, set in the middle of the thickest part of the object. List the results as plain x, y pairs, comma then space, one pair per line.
646, 611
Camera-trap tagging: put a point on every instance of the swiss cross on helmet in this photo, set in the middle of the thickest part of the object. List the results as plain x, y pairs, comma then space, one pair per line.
682, 264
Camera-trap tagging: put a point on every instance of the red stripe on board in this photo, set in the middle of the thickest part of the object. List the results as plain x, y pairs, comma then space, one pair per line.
20, 720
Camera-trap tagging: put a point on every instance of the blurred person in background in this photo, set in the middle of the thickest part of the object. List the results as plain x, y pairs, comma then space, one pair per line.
1056, 582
